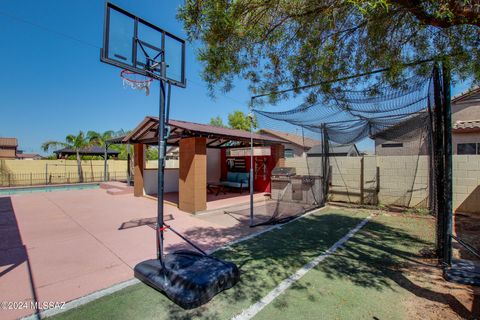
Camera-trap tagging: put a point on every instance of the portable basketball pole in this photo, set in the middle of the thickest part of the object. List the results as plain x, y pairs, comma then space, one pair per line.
161, 163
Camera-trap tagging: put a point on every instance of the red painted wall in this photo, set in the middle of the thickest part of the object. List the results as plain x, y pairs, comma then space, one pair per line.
263, 166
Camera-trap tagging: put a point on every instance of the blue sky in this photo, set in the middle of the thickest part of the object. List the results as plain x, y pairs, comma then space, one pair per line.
53, 85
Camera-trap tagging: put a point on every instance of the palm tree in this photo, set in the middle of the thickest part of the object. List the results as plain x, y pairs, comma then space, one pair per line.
101, 138
75, 142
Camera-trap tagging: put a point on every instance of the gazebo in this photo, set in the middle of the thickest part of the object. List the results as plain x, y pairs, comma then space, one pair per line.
90, 151
193, 140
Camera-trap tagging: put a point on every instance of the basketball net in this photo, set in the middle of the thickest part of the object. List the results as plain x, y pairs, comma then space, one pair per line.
136, 81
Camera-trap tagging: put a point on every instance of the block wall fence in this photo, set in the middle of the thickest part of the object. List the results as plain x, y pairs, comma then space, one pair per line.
394, 180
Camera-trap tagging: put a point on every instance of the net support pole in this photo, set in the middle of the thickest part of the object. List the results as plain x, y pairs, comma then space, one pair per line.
447, 116
161, 165
438, 152
325, 164
251, 180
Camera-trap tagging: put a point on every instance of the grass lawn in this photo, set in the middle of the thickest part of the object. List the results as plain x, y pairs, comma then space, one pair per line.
359, 281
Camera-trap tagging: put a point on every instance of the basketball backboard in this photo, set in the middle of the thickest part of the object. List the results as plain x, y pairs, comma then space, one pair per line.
131, 43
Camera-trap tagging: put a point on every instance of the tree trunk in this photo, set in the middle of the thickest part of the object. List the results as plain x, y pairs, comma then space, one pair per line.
79, 164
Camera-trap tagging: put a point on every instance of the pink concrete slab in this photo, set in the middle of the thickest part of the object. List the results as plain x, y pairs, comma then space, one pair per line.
15, 286
75, 245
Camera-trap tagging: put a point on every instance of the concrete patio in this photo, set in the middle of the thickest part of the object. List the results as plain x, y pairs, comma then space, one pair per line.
59, 246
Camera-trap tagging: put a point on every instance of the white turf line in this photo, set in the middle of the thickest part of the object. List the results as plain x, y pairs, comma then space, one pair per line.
119, 286
285, 284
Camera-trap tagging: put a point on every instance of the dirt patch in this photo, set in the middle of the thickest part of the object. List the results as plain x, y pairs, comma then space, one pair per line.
435, 298
467, 228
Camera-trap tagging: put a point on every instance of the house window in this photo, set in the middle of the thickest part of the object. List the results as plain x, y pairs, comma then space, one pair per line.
468, 148
392, 145
288, 153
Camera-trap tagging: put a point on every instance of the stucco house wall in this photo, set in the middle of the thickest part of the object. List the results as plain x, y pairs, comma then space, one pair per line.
409, 146
298, 151
465, 107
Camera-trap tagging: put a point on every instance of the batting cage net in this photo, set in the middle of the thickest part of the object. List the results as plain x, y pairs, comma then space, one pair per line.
325, 139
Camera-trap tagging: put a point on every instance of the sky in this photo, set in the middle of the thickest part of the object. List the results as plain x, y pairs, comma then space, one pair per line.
53, 85
53, 82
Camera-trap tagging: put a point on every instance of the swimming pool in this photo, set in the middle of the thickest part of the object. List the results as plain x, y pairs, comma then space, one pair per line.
12, 191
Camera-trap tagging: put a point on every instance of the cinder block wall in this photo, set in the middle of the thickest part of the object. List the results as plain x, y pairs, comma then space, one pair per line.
403, 180
466, 183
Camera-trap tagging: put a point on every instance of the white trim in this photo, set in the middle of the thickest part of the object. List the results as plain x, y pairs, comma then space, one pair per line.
84, 300
285, 284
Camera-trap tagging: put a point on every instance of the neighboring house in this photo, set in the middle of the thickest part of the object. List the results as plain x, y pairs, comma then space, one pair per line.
8, 148
336, 150
404, 139
409, 137
466, 122
28, 156
297, 146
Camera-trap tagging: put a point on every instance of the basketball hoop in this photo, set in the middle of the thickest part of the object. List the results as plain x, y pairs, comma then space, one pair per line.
136, 81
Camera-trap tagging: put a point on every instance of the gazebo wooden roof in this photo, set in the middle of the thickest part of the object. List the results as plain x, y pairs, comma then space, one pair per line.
217, 137
88, 151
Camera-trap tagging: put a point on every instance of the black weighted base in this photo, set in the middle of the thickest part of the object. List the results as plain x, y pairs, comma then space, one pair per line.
464, 271
190, 279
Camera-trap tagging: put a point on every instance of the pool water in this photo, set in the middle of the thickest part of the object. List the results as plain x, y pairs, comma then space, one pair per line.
12, 191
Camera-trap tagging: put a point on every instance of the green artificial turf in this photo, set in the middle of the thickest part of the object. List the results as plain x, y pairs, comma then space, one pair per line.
358, 281
361, 281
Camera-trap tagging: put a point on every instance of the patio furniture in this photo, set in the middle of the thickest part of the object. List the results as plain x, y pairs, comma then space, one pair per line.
215, 188
236, 180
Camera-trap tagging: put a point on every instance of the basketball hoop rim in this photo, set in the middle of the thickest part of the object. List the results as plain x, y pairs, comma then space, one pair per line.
124, 74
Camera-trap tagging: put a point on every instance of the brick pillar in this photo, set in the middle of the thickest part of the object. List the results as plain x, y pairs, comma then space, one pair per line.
139, 166
192, 182
278, 151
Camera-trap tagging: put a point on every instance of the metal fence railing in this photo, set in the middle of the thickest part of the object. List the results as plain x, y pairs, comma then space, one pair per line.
31, 179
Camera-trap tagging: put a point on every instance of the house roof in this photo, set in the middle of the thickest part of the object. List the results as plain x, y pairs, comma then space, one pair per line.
466, 125
92, 151
27, 155
466, 94
217, 137
334, 149
8, 142
292, 138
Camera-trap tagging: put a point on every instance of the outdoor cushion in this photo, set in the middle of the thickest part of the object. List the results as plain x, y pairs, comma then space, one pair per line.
232, 176
232, 184
243, 177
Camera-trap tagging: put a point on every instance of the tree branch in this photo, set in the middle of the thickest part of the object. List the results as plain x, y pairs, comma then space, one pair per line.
461, 13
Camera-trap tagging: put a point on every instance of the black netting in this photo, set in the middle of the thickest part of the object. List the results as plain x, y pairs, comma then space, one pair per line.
322, 147
350, 116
